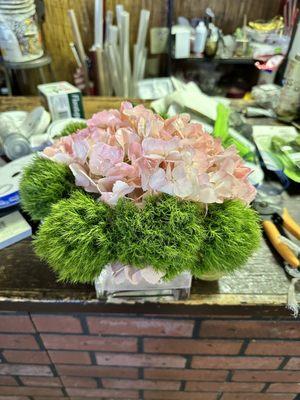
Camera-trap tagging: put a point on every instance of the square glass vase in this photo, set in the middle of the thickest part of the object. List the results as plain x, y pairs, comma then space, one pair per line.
118, 282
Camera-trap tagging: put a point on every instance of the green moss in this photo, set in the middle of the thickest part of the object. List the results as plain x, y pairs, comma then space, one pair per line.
167, 234
44, 183
233, 234
74, 239
70, 128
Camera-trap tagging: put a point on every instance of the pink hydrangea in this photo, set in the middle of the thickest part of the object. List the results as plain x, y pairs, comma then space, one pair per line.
133, 152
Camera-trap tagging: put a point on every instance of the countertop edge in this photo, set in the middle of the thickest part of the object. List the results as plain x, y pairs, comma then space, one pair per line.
187, 307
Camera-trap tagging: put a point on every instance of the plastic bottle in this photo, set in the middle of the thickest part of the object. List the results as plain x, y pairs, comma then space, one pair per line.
211, 45
200, 38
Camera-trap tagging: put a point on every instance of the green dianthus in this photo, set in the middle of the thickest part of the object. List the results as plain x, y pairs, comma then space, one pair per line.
74, 239
43, 183
233, 234
70, 128
167, 234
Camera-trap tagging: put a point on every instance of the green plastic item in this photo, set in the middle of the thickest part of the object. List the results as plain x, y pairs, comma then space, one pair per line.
221, 130
286, 151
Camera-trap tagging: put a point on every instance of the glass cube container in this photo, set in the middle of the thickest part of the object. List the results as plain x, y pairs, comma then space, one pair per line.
118, 281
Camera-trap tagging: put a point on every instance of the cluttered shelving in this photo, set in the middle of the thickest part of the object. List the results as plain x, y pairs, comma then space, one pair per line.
196, 39
197, 59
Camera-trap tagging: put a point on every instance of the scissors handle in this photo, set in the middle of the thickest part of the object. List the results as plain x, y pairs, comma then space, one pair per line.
274, 236
290, 224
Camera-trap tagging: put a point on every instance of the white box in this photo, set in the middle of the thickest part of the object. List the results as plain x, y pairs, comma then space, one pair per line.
62, 99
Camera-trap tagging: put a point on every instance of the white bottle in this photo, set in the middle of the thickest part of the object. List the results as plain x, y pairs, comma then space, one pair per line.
182, 41
200, 38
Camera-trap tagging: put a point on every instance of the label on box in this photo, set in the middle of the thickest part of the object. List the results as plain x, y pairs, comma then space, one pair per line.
63, 100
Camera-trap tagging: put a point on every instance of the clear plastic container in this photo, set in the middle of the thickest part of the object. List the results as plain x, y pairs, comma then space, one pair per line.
109, 285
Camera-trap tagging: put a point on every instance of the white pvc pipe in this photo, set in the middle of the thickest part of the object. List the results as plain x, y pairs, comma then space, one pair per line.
98, 34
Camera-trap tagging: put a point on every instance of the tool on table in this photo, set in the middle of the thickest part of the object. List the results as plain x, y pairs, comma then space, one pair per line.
268, 203
275, 217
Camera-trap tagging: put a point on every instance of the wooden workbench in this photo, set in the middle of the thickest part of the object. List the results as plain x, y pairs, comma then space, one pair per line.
26, 283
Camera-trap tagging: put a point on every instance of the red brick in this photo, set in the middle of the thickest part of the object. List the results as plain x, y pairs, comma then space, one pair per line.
94, 371
236, 362
104, 393
86, 342
16, 324
186, 374
41, 381
274, 348
30, 391
140, 326
26, 357
294, 363
56, 398
284, 388
8, 381
30, 370
266, 376
257, 396
57, 323
224, 387
140, 360
15, 398
27, 342
165, 395
69, 357
77, 382
250, 329
190, 346
140, 384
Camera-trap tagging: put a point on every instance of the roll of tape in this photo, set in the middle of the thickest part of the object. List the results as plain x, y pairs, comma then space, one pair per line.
9, 183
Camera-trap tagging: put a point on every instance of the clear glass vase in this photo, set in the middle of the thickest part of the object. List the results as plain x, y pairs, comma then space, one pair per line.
118, 281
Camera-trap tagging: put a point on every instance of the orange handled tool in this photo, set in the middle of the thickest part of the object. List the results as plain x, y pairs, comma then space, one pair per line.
274, 236
274, 219
290, 224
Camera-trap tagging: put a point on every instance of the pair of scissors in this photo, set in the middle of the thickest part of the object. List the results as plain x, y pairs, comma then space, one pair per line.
276, 218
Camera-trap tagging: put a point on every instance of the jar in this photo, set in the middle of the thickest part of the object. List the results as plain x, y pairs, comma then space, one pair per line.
20, 37
123, 282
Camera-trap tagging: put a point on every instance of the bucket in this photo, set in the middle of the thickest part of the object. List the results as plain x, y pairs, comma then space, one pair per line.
20, 37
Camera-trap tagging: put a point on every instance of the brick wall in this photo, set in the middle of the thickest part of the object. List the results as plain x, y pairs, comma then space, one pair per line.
147, 357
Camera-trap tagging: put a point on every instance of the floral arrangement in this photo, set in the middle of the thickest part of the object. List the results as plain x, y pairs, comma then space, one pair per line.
141, 190
133, 152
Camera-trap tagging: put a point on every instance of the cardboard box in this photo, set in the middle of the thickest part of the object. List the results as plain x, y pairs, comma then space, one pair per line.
62, 99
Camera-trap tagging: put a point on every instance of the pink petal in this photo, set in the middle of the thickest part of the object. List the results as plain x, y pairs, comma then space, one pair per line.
133, 275
151, 276
125, 105
120, 189
80, 149
82, 179
158, 179
103, 157
206, 194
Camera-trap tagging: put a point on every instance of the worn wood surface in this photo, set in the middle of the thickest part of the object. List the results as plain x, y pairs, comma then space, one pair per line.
25, 282
91, 104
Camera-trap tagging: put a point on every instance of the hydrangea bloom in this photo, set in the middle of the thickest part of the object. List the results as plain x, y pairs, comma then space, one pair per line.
133, 152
